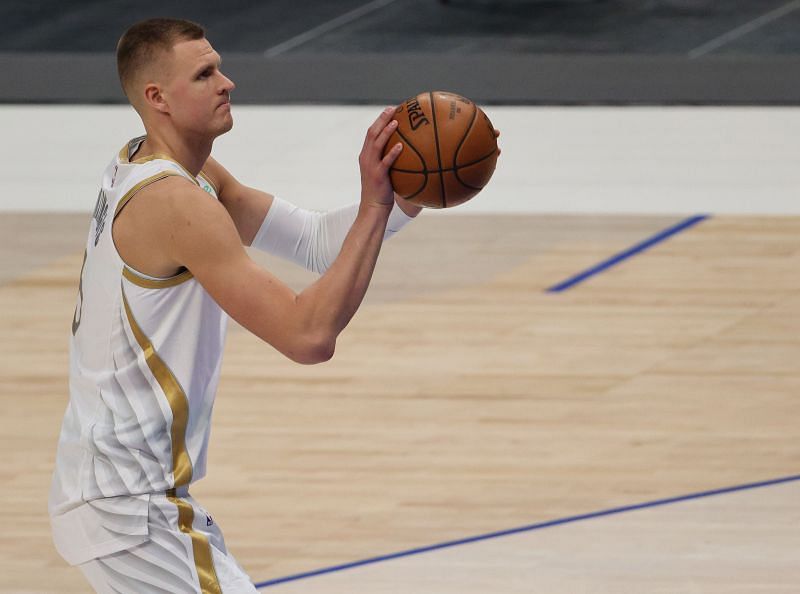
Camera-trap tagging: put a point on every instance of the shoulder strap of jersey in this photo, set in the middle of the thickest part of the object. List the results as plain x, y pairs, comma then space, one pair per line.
145, 171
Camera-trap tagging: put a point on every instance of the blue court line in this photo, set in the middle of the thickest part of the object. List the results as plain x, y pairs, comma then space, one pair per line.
614, 260
529, 528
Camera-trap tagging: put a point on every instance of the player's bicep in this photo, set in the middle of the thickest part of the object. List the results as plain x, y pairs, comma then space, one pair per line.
204, 239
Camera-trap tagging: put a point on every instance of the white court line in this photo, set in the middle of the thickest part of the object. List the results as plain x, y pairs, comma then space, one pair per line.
339, 21
738, 32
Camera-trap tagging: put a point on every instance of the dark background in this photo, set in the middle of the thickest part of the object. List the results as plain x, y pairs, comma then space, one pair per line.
523, 51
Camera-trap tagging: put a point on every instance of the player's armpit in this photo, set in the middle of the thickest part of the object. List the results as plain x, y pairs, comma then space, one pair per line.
198, 233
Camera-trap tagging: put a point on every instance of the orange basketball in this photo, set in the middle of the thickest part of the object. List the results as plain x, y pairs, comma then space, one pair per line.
449, 152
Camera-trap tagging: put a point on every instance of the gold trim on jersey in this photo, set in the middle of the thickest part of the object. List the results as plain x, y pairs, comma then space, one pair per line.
125, 152
133, 144
163, 157
178, 402
156, 283
203, 558
145, 182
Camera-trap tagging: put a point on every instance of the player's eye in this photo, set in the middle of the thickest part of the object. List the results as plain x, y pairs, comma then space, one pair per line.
205, 73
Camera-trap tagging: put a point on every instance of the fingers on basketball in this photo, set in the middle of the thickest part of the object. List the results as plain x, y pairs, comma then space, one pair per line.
379, 124
391, 156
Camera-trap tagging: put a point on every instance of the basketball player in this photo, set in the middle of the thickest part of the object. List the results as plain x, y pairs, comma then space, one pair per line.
164, 266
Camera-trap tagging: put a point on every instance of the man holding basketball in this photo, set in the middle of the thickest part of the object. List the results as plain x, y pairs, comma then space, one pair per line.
164, 266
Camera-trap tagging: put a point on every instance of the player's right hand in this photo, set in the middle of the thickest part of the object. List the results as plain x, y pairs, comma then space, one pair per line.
376, 187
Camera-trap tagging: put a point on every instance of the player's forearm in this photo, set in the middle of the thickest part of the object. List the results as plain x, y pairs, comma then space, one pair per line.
314, 239
334, 298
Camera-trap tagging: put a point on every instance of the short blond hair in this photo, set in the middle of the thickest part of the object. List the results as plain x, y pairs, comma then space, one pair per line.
143, 41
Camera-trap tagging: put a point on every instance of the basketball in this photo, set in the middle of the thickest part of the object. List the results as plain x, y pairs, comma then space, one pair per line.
449, 152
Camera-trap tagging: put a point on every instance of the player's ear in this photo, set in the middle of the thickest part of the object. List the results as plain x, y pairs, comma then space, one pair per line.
154, 98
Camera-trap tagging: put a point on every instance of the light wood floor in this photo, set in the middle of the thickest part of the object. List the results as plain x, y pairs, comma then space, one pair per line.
464, 399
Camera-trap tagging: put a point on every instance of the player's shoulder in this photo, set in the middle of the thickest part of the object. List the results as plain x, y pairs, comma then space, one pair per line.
176, 196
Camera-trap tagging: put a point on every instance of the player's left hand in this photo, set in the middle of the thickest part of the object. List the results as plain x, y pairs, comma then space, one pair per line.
376, 187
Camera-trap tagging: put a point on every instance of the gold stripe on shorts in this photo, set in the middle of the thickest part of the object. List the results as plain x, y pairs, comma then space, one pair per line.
203, 559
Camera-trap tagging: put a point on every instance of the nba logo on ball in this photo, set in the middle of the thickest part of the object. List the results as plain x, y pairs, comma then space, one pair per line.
449, 153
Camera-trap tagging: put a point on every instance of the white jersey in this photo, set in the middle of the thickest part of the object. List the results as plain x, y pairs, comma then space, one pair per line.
145, 357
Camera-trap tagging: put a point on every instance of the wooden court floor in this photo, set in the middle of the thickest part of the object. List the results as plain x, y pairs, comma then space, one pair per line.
465, 399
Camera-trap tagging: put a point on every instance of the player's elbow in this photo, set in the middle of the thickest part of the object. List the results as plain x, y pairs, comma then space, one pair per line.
313, 350
321, 351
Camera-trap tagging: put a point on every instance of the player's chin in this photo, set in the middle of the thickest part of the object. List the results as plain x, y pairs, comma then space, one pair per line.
226, 124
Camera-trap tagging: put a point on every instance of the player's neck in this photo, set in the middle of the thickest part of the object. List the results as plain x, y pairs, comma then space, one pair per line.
192, 154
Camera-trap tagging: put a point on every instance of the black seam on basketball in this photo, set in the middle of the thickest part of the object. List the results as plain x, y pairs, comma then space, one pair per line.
461, 181
438, 155
463, 138
471, 163
418, 192
422, 160
422, 187
464, 166
413, 148
455, 157
466, 185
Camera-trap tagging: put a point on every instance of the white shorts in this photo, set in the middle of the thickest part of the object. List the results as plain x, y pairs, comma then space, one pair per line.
184, 553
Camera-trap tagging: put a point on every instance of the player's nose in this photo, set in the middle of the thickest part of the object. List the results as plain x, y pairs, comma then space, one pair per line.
227, 84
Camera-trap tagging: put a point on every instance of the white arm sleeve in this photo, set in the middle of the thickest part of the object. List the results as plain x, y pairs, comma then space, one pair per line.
312, 239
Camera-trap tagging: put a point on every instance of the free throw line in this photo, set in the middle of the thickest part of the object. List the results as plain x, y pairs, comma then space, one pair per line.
632, 251
530, 528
